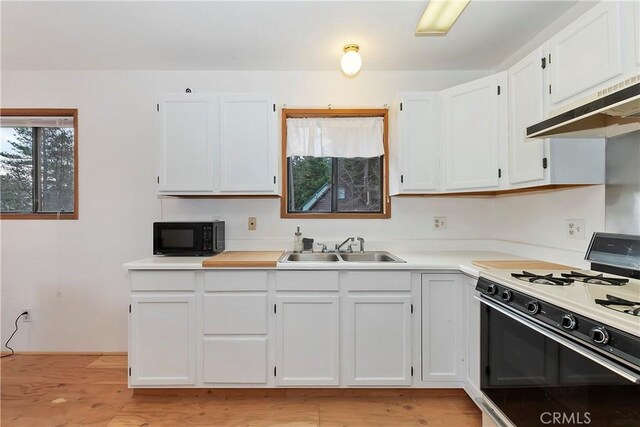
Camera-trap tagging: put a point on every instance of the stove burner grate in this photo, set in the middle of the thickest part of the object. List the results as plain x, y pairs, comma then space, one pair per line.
597, 279
547, 279
621, 305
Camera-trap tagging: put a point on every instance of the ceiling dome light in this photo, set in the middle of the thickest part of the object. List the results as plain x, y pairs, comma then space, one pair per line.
351, 61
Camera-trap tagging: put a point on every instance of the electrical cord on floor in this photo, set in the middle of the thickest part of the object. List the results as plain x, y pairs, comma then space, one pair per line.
24, 313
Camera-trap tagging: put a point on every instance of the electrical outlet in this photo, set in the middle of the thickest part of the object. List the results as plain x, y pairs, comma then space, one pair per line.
575, 229
253, 223
26, 317
439, 222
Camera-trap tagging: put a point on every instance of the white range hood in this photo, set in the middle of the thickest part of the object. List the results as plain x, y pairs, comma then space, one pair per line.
609, 113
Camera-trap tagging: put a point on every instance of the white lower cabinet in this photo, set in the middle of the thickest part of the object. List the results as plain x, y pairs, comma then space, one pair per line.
442, 328
307, 340
235, 328
163, 340
472, 308
379, 339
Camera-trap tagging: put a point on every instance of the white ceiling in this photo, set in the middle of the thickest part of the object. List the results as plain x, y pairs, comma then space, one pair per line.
263, 35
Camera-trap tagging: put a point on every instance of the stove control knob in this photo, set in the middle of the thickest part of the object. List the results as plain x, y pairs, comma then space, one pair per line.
568, 322
506, 296
533, 307
492, 289
599, 335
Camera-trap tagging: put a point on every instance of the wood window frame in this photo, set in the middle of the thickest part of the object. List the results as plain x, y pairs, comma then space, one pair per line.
50, 112
300, 113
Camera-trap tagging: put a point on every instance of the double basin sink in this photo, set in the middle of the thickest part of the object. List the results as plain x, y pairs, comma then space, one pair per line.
367, 256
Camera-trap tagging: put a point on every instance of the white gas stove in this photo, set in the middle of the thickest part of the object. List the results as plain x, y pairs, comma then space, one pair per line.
568, 291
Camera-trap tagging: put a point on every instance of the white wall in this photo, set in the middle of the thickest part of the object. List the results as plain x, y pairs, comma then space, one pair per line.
534, 224
69, 273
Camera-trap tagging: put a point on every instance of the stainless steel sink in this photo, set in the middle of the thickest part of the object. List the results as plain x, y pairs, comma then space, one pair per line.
311, 258
378, 256
373, 257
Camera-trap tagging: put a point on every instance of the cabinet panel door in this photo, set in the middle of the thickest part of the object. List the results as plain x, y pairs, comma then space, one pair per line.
307, 340
471, 134
238, 359
248, 149
586, 53
418, 142
473, 333
442, 358
379, 340
163, 340
526, 107
186, 139
235, 313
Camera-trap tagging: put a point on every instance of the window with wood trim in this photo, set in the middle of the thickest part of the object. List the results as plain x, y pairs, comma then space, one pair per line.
344, 183
38, 163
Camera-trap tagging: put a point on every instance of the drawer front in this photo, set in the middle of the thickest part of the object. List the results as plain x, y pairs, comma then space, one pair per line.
307, 281
163, 280
376, 280
238, 313
235, 360
235, 281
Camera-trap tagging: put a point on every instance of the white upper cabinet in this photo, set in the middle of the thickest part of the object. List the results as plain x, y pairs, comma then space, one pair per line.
248, 149
210, 144
418, 162
586, 54
526, 107
636, 32
473, 129
187, 134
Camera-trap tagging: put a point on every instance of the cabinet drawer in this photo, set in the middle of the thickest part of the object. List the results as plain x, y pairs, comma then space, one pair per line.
307, 281
163, 280
241, 313
235, 281
235, 360
376, 281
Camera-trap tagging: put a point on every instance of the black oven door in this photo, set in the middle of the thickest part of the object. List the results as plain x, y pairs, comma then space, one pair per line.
537, 377
177, 238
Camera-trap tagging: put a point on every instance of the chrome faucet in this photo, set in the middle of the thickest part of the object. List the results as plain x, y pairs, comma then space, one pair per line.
361, 240
349, 249
324, 246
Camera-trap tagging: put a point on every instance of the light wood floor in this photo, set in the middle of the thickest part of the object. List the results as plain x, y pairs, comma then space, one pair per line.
71, 390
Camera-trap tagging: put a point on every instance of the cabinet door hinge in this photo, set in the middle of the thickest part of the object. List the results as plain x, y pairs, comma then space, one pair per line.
274, 371
274, 108
401, 106
412, 371
157, 107
401, 179
544, 63
498, 90
411, 308
499, 173
129, 370
274, 308
545, 163
129, 308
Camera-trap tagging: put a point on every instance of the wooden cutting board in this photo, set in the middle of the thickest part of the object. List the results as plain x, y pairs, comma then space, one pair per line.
243, 259
521, 264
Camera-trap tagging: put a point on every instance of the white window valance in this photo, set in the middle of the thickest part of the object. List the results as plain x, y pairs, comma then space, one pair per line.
335, 137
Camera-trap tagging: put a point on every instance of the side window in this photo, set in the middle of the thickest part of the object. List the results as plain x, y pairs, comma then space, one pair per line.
38, 164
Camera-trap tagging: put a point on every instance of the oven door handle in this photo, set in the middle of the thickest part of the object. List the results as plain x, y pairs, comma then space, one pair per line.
600, 360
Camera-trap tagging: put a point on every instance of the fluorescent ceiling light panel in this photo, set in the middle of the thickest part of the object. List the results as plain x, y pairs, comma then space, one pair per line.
439, 17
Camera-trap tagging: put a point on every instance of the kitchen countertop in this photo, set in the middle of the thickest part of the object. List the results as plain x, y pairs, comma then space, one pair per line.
415, 260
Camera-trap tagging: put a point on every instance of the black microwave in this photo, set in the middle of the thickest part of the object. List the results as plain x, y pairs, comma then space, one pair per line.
188, 238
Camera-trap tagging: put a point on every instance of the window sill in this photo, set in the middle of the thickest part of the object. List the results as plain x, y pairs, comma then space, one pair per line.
38, 216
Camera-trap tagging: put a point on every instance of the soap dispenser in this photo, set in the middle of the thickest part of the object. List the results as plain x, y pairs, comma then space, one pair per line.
297, 241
